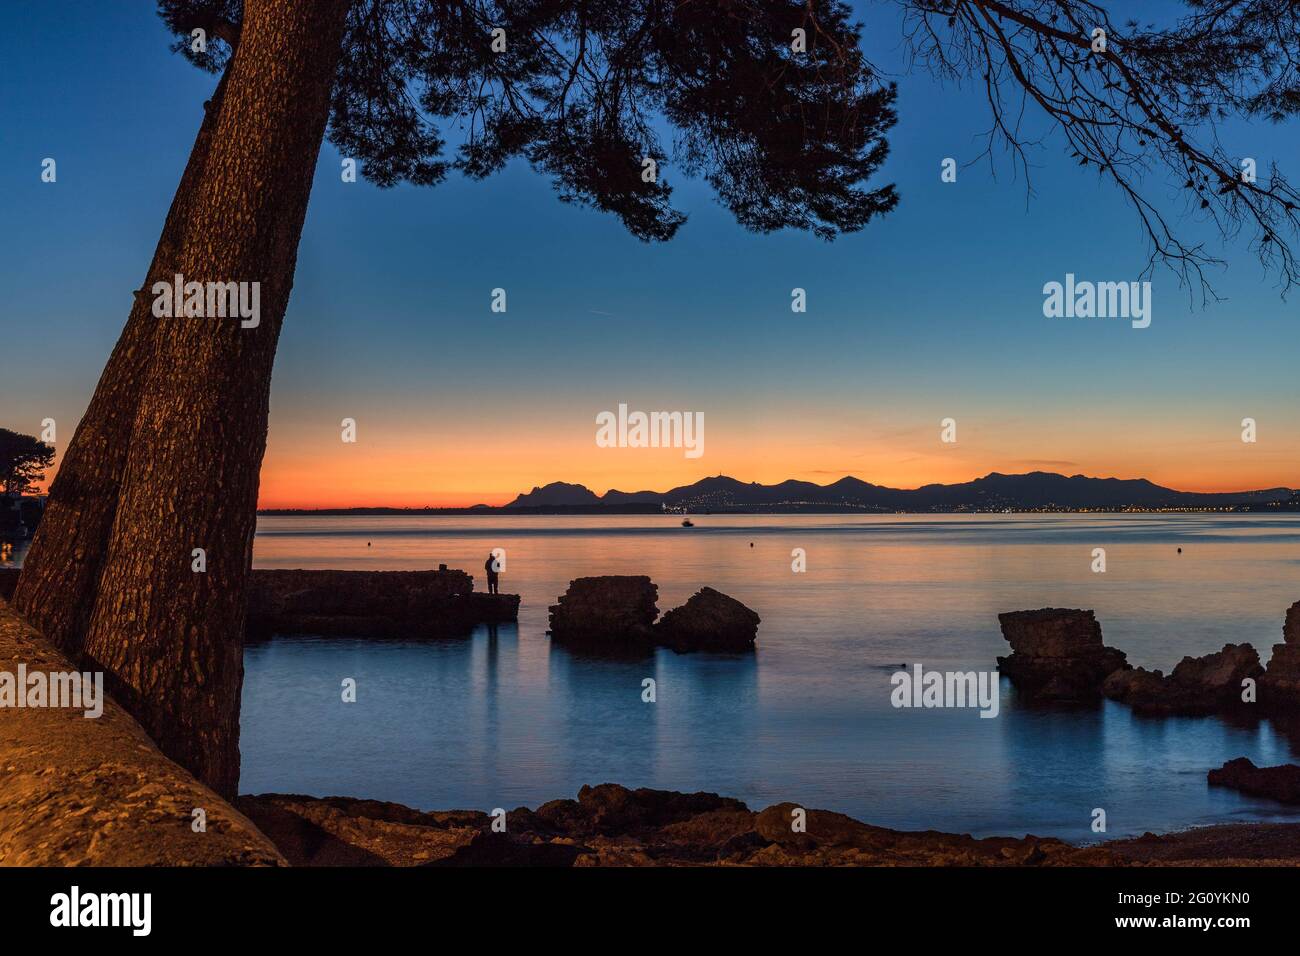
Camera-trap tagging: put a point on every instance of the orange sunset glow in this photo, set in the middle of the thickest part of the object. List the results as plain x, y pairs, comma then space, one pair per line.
434, 466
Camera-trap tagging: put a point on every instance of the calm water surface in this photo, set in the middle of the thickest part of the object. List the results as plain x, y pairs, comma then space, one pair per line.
504, 718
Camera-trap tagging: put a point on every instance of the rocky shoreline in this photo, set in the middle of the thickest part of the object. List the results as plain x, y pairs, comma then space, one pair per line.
612, 825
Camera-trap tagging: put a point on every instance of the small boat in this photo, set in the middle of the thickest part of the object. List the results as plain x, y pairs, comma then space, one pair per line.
688, 523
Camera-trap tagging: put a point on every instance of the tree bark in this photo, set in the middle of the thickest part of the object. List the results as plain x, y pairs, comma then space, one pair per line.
56, 590
170, 639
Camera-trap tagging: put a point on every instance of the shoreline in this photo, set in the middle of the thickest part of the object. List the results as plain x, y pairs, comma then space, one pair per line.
611, 825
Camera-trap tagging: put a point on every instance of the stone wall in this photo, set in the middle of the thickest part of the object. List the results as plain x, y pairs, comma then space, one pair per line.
361, 603
372, 603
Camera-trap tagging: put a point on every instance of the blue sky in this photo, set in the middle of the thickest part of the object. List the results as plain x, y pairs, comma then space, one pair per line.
935, 310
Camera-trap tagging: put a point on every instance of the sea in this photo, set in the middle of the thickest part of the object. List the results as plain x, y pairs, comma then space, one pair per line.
504, 717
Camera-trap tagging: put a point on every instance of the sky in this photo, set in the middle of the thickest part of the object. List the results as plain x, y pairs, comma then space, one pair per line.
934, 312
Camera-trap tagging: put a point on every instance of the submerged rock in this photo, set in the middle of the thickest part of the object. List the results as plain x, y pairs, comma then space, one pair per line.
1057, 655
709, 621
1198, 685
607, 612
1281, 783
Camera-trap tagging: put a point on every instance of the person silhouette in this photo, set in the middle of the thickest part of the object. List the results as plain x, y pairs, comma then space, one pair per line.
490, 566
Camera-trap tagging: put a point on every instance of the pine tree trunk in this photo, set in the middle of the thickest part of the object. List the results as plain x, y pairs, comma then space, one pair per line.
170, 639
56, 590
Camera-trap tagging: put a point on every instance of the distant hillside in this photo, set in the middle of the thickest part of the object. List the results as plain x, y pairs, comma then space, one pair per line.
557, 494
1037, 490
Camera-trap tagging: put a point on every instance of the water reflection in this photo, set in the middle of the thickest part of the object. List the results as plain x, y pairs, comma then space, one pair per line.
506, 717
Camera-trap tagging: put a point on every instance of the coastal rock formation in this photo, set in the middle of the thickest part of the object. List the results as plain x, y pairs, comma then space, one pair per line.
608, 612
1057, 655
371, 603
1198, 685
1280, 783
79, 791
611, 825
1291, 626
1279, 687
709, 621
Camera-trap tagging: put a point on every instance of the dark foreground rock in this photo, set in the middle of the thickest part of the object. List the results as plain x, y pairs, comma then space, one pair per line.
78, 791
614, 612
1281, 783
709, 621
611, 825
371, 603
8, 581
1198, 685
1057, 655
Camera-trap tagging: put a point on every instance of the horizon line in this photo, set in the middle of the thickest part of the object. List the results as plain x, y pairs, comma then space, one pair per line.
536, 487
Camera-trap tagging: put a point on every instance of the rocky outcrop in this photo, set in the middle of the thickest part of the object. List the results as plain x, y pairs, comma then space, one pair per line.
611, 825
1279, 687
1057, 655
1281, 783
709, 621
1198, 685
96, 791
612, 612
8, 581
1291, 625
617, 614
371, 603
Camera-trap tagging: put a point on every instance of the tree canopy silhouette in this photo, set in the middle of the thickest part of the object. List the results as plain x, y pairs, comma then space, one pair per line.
582, 88
23, 460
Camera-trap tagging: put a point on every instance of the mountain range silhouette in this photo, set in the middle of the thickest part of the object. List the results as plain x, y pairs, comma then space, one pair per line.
1037, 489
